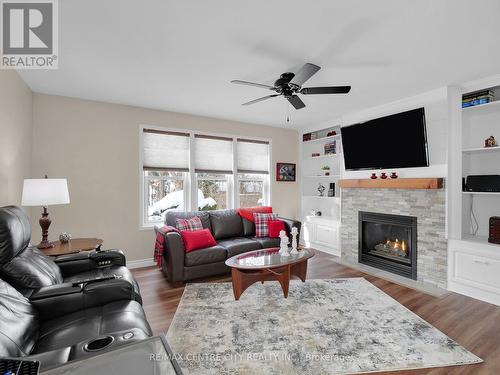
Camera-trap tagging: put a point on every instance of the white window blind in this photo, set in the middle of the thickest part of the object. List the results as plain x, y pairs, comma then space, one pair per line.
213, 154
165, 150
252, 156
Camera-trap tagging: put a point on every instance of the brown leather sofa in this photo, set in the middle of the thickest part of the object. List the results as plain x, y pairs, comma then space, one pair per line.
234, 235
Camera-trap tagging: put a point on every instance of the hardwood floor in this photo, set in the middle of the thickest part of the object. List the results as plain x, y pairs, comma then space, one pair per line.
472, 323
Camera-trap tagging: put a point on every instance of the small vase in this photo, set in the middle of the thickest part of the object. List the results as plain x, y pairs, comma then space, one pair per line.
373, 176
394, 175
383, 176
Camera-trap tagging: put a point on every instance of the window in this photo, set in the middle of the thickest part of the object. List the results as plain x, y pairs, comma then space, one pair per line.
164, 192
165, 161
253, 172
251, 189
184, 171
212, 191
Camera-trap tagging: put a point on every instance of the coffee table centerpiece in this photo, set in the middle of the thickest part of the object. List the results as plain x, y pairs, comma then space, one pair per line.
265, 265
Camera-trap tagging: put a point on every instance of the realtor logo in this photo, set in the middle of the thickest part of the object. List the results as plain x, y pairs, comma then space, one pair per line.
29, 34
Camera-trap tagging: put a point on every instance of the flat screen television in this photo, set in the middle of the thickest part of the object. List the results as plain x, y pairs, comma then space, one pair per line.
395, 141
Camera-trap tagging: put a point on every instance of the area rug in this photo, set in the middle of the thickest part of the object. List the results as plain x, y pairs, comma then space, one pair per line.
339, 326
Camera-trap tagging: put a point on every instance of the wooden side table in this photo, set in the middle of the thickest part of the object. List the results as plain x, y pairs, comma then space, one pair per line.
75, 245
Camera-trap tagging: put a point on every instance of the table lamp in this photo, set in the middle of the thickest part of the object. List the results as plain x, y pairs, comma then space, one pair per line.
44, 192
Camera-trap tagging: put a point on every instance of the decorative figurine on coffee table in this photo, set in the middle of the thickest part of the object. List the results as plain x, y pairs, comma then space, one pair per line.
294, 233
284, 244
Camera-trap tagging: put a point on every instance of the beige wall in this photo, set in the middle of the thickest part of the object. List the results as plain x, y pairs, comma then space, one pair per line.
16, 134
96, 147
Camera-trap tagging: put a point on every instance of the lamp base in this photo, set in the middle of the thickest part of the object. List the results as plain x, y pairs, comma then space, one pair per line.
45, 245
45, 224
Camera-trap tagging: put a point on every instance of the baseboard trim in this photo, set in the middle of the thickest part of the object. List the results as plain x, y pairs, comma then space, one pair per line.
473, 292
140, 263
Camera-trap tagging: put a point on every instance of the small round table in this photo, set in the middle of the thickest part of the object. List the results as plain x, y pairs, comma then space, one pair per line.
75, 245
267, 264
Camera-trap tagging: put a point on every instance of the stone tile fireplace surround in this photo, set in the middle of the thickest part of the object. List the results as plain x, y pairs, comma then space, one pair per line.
428, 205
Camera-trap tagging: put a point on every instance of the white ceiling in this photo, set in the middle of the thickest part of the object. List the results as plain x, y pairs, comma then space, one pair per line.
180, 55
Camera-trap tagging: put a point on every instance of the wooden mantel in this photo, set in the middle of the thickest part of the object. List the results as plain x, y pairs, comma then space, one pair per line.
397, 183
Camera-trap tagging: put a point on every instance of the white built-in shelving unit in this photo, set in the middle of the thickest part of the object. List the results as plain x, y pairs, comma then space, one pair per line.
473, 262
321, 232
478, 123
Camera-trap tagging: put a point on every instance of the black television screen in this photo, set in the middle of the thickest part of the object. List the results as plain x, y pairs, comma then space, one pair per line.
396, 141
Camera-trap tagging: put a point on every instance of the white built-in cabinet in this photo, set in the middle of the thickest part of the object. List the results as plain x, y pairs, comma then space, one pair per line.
322, 234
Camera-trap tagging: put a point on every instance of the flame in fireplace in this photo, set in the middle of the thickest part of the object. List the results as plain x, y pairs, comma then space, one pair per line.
396, 244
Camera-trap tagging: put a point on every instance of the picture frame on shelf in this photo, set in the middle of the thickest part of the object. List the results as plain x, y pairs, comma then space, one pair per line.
286, 172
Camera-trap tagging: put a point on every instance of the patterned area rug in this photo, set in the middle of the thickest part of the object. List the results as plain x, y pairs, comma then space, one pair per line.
340, 326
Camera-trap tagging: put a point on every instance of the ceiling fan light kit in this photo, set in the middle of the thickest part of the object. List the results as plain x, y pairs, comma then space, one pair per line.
290, 84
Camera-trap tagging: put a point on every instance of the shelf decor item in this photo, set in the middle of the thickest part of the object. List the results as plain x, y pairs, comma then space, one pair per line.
494, 236
285, 172
383, 176
331, 191
373, 176
45, 192
490, 142
394, 175
478, 98
331, 148
321, 190
326, 169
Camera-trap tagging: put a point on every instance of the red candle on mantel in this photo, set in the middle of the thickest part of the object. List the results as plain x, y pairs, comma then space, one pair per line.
373, 176
383, 176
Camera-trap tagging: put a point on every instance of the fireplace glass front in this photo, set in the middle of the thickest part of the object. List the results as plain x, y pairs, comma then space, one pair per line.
388, 242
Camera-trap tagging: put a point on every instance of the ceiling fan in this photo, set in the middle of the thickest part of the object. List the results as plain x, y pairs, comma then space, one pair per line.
290, 84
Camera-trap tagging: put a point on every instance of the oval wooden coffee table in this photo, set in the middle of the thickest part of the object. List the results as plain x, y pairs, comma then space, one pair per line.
267, 264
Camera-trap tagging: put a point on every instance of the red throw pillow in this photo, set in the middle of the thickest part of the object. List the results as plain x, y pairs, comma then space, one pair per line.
247, 212
275, 227
197, 239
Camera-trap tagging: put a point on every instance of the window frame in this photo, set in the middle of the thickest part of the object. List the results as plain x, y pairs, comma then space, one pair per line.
191, 177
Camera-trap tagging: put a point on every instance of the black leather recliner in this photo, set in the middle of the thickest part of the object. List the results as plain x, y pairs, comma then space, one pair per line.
27, 269
65, 309
63, 322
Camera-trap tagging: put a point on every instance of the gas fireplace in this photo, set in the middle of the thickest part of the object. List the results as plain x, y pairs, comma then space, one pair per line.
388, 242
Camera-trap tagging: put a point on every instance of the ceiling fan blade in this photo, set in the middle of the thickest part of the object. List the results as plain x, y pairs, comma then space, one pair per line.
296, 102
260, 99
237, 81
325, 90
306, 72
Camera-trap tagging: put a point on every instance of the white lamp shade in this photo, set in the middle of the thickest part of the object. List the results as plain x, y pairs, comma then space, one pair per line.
45, 192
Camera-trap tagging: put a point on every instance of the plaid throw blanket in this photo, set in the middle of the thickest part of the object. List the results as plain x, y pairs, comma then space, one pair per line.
160, 241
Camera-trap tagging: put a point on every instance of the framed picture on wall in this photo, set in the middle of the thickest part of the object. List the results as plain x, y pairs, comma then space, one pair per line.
285, 171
